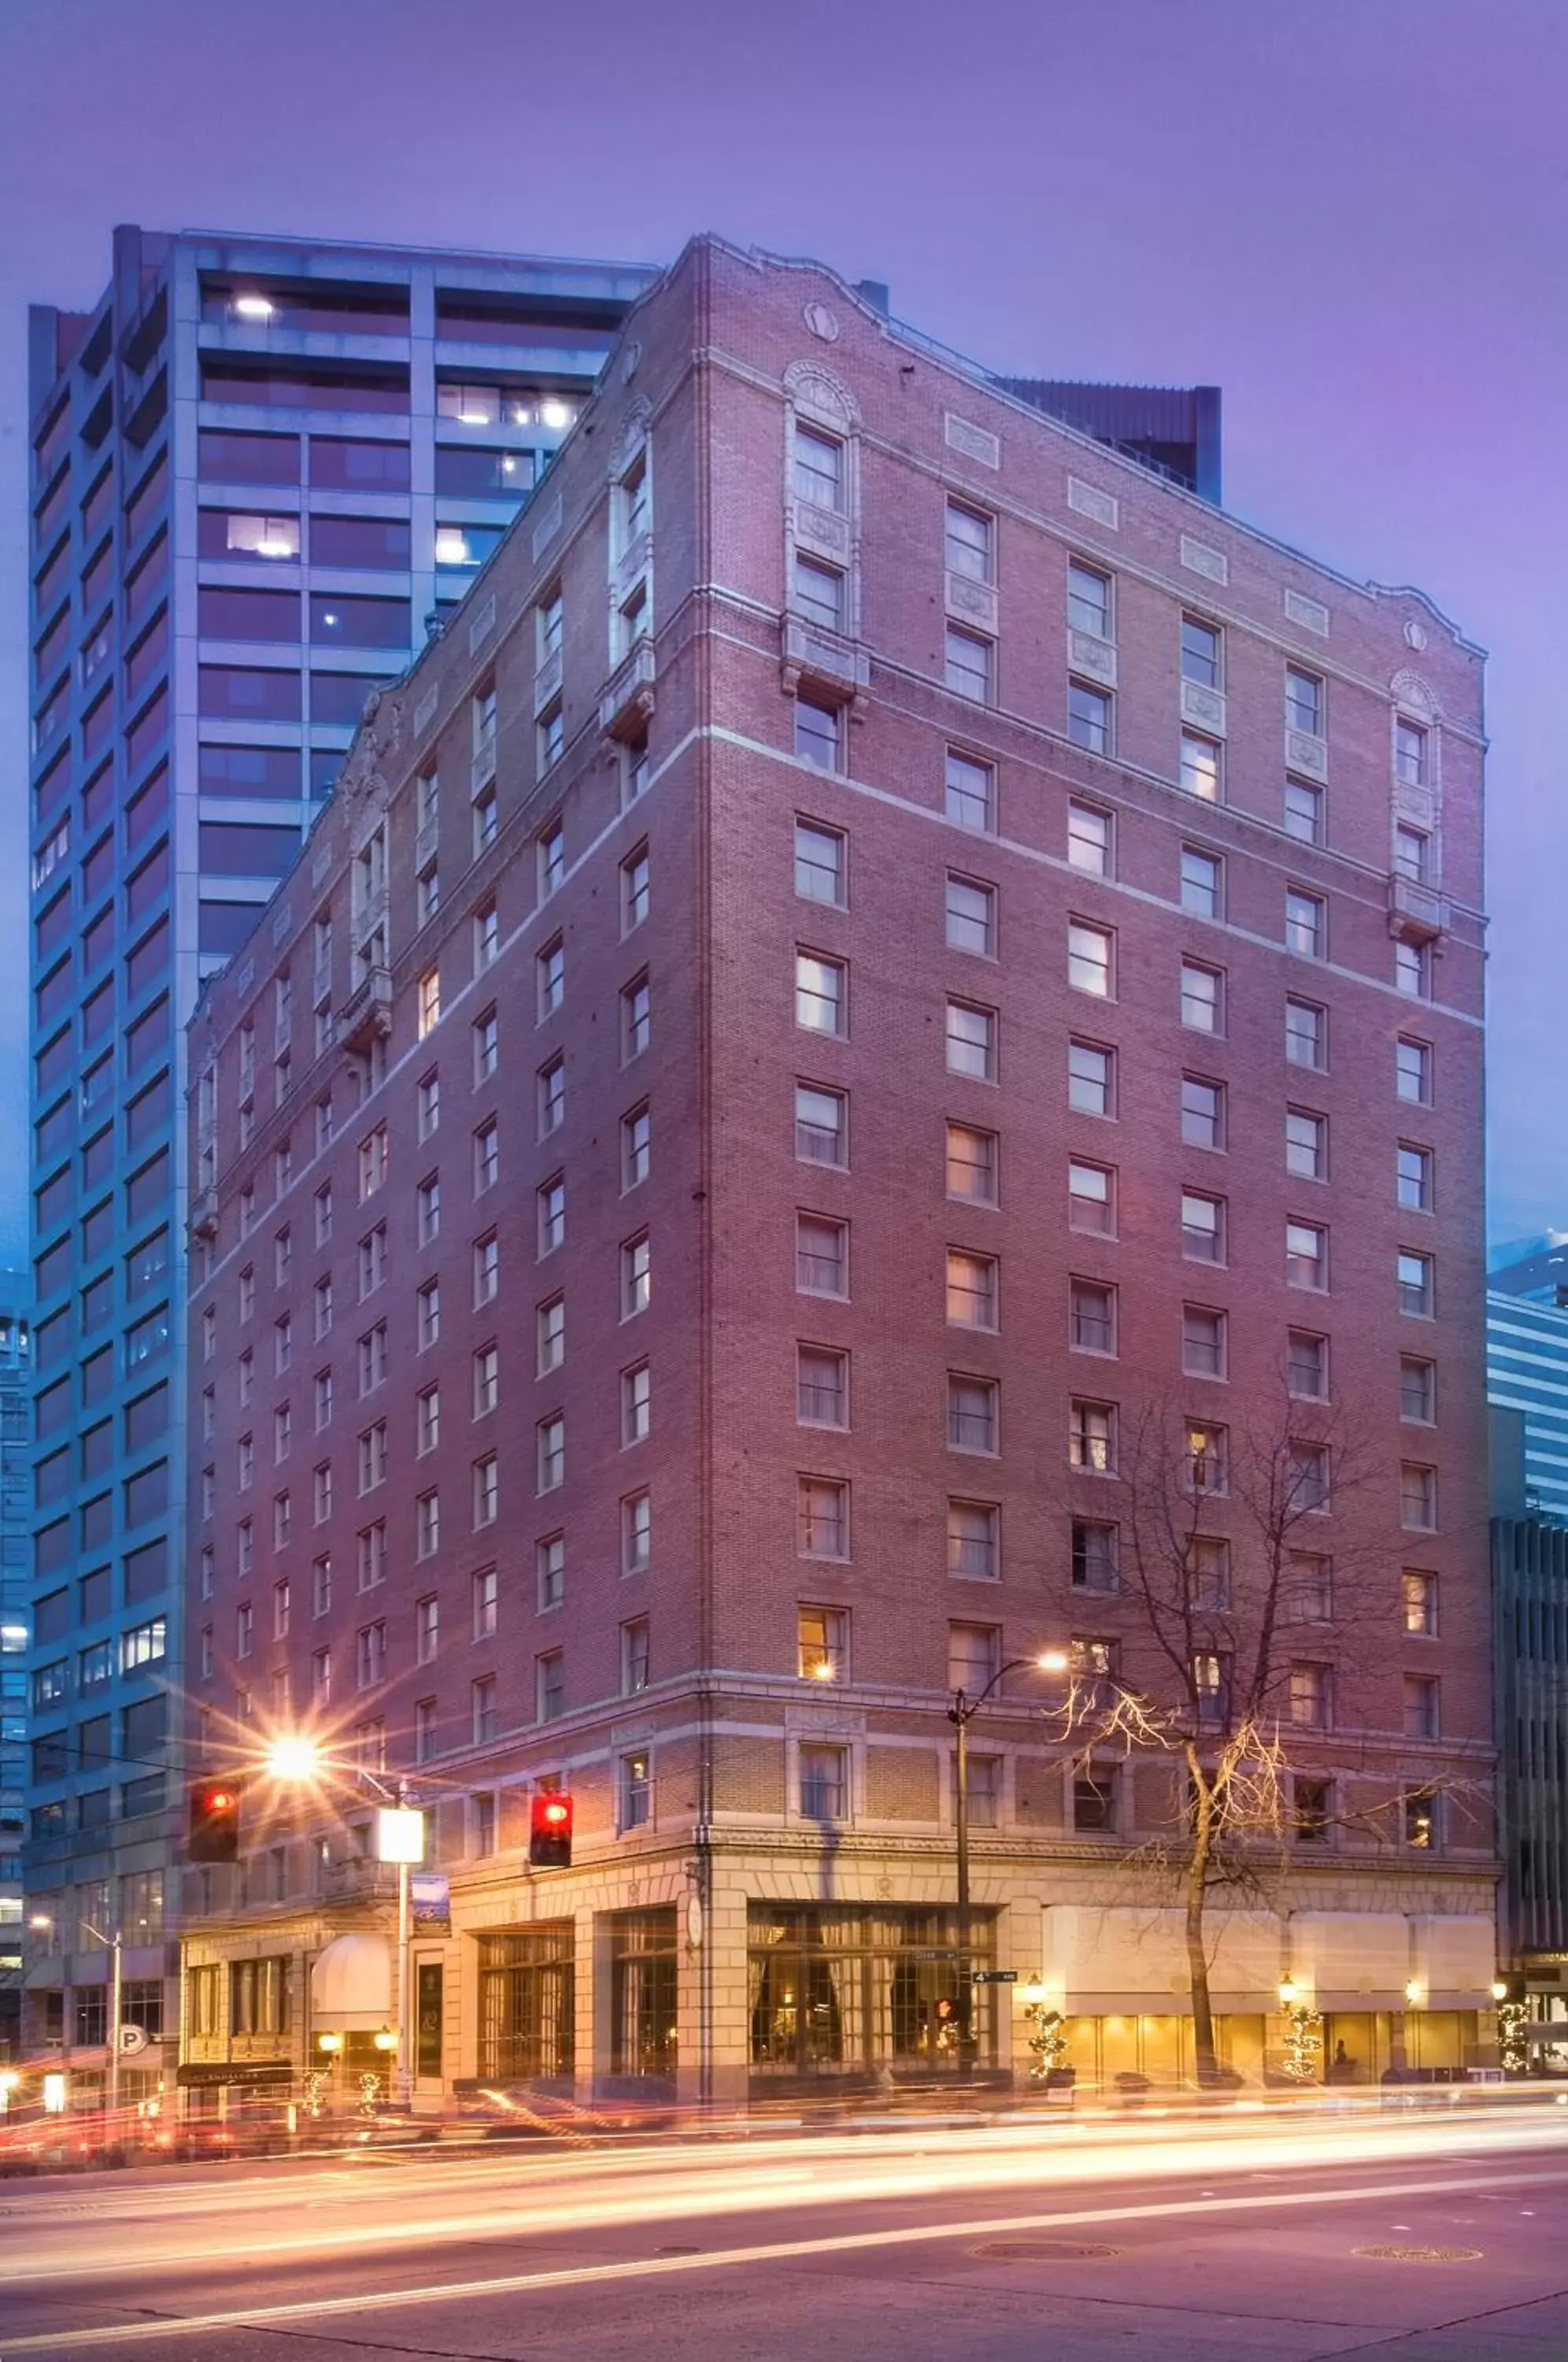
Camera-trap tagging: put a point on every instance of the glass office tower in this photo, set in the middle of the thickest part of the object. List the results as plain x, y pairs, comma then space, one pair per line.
262, 470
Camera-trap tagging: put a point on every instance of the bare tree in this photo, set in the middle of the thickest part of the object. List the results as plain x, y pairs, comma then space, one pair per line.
1226, 1560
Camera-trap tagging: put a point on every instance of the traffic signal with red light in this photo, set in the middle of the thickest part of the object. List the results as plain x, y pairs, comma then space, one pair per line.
214, 1831
549, 1832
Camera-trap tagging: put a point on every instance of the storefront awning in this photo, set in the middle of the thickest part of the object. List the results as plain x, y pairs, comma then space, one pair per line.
350, 1985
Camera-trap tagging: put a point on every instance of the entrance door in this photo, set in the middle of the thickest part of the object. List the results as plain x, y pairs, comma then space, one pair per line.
429, 1982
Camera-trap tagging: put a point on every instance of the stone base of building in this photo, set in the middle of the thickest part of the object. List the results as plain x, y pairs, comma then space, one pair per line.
747, 1974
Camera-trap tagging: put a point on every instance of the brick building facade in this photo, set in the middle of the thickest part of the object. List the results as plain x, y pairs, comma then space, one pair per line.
886, 945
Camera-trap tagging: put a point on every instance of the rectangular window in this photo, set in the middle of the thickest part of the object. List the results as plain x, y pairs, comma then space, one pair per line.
487, 1269
821, 864
818, 592
636, 1533
1306, 924
974, 1657
549, 1087
1307, 1365
821, 1644
487, 1046
972, 1165
1307, 1470
1420, 1817
823, 1517
550, 974
1202, 883
1305, 1034
1202, 997
551, 1452
1420, 1701
1091, 1317
1309, 1690
1303, 811
969, 659
818, 473
1409, 753
1208, 1457
1202, 1342
825, 1782
549, 1572
1089, 839
1088, 600
429, 1001
427, 1210
427, 1525
427, 1419
1091, 1198
1202, 1112
487, 1380
973, 1412
1201, 652
550, 1685
635, 1148
1091, 1437
636, 1015
821, 1387
819, 734
1413, 1071
1095, 1555
486, 1603
1412, 853
1413, 970
1418, 1497
637, 1404
1091, 1079
1417, 1277
1303, 701
1418, 1603
1089, 716
971, 917
1306, 1144
1091, 959
1095, 1800
821, 994
1200, 767
634, 1803
636, 1276
1306, 1256
970, 793
974, 1543
968, 542
821, 1125
821, 1255
972, 1290
1417, 1390
551, 1199
427, 1314
1414, 1178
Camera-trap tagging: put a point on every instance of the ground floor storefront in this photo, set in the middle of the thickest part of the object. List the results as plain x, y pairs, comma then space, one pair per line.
734, 1978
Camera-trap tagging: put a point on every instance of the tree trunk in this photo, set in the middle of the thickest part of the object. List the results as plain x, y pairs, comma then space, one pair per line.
1204, 2058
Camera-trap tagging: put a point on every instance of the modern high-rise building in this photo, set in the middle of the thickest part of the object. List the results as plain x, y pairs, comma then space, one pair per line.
262, 471
1527, 1363
890, 1016
15, 1559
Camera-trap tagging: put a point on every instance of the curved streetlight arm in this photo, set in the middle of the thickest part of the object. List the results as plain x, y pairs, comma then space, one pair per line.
965, 1707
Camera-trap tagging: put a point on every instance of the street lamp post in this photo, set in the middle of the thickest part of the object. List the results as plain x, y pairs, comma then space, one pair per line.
400, 1840
114, 1946
961, 1714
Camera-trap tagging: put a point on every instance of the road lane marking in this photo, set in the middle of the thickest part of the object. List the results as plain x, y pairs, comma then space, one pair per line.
774, 2183
172, 2326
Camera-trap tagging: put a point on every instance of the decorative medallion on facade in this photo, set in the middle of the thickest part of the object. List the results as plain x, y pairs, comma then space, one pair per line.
821, 322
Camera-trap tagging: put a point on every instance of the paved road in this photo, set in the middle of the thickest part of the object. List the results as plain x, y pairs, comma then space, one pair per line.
1241, 2241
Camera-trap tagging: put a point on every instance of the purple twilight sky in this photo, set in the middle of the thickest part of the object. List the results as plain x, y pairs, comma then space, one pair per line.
1352, 214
